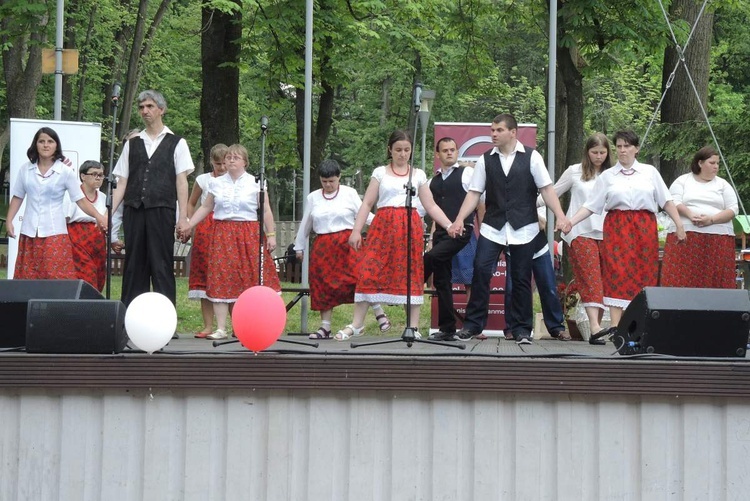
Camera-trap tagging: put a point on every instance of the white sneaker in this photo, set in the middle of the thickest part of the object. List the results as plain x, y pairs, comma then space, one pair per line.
217, 334
417, 334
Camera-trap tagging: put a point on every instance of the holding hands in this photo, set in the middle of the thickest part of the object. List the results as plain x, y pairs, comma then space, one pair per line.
455, 229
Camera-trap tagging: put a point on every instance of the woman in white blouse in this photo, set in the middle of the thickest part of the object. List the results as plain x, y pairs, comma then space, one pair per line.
383, 273
631, 194
44, 249
334, 265
234, 266
88, 241
707, 204
199, 252
585, 240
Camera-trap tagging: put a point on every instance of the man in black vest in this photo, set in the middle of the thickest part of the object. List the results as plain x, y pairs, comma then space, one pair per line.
448, 189
152, 181
511, 176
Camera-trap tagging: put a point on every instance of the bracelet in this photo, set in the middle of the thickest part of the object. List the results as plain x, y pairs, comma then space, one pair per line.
448, 227
271, 234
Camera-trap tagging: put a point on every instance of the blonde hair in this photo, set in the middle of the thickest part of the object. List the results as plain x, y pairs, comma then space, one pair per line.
239, 150
218, 152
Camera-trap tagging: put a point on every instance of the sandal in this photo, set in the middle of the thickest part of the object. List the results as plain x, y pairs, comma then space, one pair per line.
342, 335
383, 322
320, 334
563, 336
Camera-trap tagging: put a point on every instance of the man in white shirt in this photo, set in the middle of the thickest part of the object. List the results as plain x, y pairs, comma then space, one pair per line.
152, 172
511, 176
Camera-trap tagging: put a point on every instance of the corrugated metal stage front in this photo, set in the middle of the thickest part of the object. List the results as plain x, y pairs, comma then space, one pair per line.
550, 421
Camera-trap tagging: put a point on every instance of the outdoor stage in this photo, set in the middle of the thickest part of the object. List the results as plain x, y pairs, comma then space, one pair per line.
496, 421
492, 365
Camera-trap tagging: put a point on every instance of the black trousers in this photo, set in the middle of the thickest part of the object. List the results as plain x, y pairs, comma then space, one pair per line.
485, 264
438, 262
149, 252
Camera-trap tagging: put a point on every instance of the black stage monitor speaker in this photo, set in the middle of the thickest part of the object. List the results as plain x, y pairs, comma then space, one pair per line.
15, 294
686, 322
75, 326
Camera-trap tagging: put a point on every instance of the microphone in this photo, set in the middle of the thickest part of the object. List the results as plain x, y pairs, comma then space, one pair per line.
418, 95
116, 92
264, 123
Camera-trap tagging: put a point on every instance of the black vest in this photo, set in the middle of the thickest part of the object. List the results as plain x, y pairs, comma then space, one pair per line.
152, 182
510, 199
449, 194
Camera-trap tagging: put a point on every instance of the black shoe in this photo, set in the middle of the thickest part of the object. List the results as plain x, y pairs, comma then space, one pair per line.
523, 339
598, 338
465, 334
443, 336
597, 342
175, 336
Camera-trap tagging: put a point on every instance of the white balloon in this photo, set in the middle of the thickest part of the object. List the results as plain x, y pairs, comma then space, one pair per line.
150, 321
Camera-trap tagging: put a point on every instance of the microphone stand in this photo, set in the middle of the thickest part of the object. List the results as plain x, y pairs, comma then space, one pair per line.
262, 195
261, 232
111, 185
409, 334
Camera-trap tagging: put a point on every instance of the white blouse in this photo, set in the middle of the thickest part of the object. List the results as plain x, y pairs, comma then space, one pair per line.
392, 192
202, 181
642, 189
44, 215
328, 215
704, 198
580, 191
76, 215
235, 200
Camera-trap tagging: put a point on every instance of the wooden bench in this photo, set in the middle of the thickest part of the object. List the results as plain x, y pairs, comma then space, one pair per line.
181, 260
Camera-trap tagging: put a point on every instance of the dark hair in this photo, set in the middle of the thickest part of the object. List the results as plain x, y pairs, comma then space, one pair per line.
587, 168
507, 119
33, 153
396, 136
702, 154
444, 140
329, 168
87, 166
628, 136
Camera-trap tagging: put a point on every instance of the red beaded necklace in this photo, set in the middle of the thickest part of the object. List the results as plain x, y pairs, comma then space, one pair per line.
96, 195
400, 175
334, 195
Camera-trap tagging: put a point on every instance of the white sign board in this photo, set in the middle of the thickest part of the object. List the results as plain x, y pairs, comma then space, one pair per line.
80, 141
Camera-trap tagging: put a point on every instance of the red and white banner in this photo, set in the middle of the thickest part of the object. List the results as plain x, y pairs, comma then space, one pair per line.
473, 139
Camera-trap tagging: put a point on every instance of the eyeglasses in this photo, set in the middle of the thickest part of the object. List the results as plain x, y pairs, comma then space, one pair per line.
97, 176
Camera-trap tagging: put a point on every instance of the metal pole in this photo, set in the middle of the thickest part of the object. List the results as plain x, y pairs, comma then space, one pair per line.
59, 58
551, 108
307, 145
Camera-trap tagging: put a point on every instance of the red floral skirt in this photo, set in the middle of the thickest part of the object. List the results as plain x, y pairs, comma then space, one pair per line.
586, 261
89, 253
234, 266
630, 255
703, 260
334, 270
45, 258
382, 277
199, 257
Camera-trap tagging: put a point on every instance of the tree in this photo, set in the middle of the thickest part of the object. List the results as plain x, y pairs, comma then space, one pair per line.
220, 53
681, 107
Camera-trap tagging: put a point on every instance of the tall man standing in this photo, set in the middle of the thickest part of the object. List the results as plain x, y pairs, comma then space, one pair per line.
152, 172
512, 176
448, 189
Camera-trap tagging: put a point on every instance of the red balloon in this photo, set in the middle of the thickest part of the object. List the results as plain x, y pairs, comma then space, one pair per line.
259, 317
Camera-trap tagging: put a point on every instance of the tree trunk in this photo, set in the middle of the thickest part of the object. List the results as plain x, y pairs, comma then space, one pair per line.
220, 57
680, 104
573, 83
